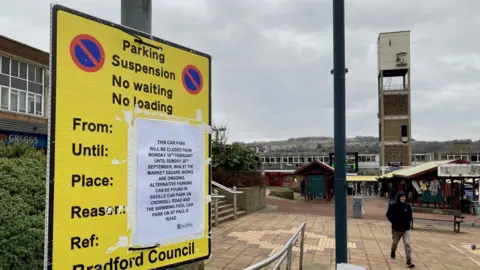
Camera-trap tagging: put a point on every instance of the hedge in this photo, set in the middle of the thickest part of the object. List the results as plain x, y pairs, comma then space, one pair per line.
22, 207
238, 179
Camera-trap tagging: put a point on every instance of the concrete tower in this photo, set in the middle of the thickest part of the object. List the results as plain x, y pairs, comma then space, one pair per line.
394, 113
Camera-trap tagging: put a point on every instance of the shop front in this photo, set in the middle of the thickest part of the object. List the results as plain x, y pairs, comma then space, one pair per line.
38, 141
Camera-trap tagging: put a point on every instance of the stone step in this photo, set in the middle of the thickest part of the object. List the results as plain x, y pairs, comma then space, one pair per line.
224, 210
228, 217
222, 207
220, 203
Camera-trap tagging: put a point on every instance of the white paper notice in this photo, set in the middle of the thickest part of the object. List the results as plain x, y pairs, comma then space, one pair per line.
170, 181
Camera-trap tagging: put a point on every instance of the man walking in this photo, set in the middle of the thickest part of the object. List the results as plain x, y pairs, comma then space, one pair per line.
400, 216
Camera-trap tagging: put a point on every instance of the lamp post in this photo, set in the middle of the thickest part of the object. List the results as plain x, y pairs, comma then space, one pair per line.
339, 120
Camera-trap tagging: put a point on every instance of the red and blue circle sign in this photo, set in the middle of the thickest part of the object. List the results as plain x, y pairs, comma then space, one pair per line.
87, 53
192, 79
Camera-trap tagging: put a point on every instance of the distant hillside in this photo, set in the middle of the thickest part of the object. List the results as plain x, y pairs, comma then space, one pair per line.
368, 144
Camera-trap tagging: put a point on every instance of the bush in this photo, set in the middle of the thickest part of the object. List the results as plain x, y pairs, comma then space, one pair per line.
296, 189
238, 179
285, 193
22, 207
234, 157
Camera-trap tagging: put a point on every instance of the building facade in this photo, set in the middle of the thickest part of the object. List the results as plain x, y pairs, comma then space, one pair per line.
368, 163
394, 112
23, 93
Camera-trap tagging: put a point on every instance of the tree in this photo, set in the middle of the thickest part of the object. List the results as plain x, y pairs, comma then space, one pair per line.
232, 157
22, 207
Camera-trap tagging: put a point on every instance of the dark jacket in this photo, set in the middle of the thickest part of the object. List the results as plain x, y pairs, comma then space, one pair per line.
392, 195
400, 214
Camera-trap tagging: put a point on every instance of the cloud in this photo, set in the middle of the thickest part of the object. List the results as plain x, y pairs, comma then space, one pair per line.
272, 59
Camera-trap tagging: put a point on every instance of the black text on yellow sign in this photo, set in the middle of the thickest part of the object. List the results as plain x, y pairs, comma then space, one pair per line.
100, 71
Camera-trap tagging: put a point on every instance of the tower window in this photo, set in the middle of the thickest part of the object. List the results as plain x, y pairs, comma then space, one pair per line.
404, 131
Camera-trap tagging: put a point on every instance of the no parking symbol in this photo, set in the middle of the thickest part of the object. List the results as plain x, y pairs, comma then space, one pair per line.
87, 53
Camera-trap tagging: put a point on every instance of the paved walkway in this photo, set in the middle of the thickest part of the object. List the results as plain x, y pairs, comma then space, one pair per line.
374, 208
252, 238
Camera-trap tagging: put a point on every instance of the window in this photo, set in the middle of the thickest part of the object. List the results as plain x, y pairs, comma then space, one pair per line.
14, 69
295, 159
290, 159
31, 73
373, 158
309, 159
474, 158
38, 75
262, 159
31, 103
4, 96
22, 102
22, 86
327, 160
23, 70
404, 131
301, 159
285, 160
13, 100
277, 160
5, 65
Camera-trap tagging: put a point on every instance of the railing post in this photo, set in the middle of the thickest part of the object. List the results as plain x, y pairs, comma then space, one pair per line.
216, 207
302, 243
289, 256
234, 202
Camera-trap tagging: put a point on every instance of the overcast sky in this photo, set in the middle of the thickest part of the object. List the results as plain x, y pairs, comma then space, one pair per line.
272, 59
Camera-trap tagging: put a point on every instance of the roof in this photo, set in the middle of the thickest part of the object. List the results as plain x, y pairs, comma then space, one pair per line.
15, 48
361, 178
428, 166
280, 171
390, 174
315, 162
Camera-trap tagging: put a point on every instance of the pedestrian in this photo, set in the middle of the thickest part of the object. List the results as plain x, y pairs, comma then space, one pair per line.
302, 187
400, 216
392, 197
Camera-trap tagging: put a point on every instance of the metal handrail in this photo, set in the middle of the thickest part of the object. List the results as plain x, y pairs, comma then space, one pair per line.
232, 191
285, 253
226, 188
215, 196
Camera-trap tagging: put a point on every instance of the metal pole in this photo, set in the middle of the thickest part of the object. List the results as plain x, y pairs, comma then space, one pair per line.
302, 243
137, 14
289, 256
339, 130
216, 207
234, 202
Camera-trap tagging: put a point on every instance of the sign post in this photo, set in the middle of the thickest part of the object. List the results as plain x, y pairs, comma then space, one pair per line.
137, 14
129, 148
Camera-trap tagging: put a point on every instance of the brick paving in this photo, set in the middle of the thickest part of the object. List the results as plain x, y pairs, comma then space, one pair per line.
375, 208
250, 239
